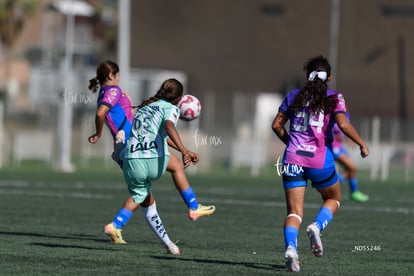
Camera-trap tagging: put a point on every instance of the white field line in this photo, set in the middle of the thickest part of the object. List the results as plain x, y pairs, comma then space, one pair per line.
24, 188
26, 193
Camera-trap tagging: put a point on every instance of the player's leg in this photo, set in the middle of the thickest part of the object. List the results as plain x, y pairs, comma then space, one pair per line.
196, 210
119, 145
294, 185
327, 183
135, 175
153, 219
114, 228
351, 173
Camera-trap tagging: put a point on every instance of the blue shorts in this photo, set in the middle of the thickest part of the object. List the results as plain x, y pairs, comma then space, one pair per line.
339, 151
298, 176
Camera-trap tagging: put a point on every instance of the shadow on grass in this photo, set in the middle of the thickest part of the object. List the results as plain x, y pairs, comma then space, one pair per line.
54, 245
222, 262
66, 237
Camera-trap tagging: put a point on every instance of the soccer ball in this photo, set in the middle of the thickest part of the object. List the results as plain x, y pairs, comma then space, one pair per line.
190, 108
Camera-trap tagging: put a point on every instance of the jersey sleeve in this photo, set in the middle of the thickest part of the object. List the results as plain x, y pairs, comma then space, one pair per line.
288, 100
283, 108
172, 113
111, 96
340, 106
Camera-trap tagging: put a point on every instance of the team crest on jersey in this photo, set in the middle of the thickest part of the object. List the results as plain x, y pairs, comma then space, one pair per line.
113, 91
112, 95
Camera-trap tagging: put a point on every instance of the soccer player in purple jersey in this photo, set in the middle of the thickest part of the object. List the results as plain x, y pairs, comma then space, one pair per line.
312, 112
115, 109
349, 173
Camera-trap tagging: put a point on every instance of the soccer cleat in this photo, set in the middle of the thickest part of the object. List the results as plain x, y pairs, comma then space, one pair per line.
315, 239
201, 211
173, 249
292, 260
114, 233
359, 197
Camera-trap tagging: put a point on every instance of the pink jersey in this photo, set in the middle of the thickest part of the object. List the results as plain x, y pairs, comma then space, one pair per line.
310, 135
120, 113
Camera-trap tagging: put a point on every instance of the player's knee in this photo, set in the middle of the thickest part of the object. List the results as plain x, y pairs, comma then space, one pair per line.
174, 164
338, 197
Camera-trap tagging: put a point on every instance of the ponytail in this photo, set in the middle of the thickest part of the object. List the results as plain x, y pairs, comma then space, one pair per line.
102, 73
314, 93
170, 90
94, 85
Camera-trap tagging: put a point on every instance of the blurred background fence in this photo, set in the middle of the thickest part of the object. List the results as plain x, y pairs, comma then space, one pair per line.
247, 143
240, 70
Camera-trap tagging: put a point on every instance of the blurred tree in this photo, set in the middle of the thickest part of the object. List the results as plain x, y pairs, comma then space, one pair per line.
104, 22
13, 14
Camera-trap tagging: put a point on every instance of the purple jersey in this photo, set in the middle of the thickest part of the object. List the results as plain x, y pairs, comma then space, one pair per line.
310, 134
120, 115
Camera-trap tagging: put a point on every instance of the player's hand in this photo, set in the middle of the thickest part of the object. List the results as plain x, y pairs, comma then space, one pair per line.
194, 157
186, 159
94, 138
364, 151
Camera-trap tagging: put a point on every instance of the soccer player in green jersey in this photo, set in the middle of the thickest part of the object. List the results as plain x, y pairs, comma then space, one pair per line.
146, 156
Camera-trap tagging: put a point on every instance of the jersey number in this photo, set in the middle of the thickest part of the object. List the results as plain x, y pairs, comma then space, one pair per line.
312, 120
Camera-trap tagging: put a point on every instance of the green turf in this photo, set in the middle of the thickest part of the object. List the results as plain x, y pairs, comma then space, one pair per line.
52, 223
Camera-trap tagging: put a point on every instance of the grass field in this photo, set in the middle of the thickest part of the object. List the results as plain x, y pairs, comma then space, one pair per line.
52, 223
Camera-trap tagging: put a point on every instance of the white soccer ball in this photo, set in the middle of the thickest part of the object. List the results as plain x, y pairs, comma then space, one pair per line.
190, 108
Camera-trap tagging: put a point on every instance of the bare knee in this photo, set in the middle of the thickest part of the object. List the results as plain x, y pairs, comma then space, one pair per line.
174, 164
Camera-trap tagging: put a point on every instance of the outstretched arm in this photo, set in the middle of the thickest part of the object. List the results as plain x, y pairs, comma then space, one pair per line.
99, 123
351, 133
278, 127
176, 143
193, 155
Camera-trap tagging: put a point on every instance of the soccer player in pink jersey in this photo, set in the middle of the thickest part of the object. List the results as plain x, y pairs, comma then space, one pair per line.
116, 111
349, 173
312, 112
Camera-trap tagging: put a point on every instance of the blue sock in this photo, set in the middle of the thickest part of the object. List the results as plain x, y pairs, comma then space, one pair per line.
341, 178
353, 184
122, 218
291, 236
323, 218
190, 198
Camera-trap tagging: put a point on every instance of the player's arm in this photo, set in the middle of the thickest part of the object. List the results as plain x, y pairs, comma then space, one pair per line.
193, 155
278, 127
176, 142
351, 133
99, 123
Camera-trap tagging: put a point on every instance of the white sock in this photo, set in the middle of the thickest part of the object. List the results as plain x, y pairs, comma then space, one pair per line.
155, 223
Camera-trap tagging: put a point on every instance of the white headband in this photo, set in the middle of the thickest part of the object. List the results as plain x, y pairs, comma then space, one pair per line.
320, 74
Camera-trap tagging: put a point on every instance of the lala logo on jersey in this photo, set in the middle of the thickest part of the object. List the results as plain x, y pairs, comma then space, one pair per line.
141, 146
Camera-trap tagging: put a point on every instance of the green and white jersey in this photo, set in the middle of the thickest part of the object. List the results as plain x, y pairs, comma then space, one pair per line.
148, 137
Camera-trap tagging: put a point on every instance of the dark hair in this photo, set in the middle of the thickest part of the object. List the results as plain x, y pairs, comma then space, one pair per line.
170, 90
314, 91
102, 73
